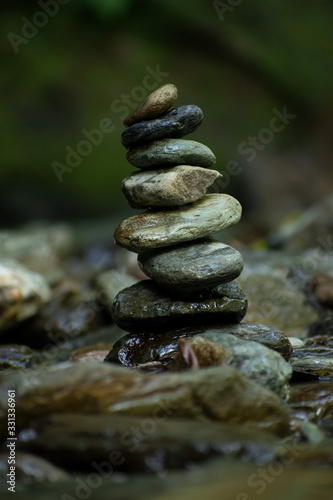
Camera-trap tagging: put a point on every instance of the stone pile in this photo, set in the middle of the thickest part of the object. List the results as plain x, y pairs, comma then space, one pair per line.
192, 274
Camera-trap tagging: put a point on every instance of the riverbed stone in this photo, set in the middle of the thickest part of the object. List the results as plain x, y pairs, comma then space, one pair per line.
252, 359
22, 293
154, 229
218, 393
167, 187
156, 103
140, 349
171, 152
83, 439
175, 123
144, 306
191, 266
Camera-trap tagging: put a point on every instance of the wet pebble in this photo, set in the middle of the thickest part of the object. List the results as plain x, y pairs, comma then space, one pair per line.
16, 357
144, 307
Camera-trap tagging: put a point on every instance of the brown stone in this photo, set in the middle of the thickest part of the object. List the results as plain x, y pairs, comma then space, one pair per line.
156, 103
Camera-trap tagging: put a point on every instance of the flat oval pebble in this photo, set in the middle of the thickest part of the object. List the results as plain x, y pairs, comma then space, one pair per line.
171, 152
167, 187
155, 229
191, 266
144, 306
175, 123
156, 103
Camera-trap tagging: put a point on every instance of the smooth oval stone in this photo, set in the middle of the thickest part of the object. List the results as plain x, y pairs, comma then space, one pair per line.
171, 152
156, 103
167, 187
314, 361
155, 229
175, 123
144, 306
192, 266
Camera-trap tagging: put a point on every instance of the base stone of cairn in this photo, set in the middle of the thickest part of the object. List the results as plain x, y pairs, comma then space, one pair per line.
192, 275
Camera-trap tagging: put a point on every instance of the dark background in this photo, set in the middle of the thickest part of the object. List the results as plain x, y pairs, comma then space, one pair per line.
238, 63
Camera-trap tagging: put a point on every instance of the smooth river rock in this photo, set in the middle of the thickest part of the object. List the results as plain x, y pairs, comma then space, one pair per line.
167, 187
170, 152
144, 306
192, 266
175, 123
253, 360
141, 349
156, 103
154, 229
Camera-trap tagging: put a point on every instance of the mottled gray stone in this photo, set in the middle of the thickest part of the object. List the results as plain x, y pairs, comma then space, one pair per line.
154, 229
192, 266
156, 103
254, 360
144, 306
171, 152
175, 123
167, 187
141, 348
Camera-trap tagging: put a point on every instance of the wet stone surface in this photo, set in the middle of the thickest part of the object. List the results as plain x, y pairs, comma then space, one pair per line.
144, 307
175, 123
16, 357
143, 348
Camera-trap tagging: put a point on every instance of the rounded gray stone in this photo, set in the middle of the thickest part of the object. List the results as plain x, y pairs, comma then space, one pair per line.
145, 307
170, 152
175, 123
167, 187
192, 266
155, 229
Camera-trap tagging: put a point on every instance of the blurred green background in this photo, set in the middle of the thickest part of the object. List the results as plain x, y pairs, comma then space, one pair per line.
237, 62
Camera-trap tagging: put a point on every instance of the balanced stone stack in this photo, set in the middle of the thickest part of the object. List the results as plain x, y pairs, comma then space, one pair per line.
192, 274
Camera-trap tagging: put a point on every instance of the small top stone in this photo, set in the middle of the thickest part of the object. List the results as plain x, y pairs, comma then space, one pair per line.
156, 103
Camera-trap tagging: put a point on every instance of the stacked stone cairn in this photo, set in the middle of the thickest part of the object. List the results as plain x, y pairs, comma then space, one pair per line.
192, 274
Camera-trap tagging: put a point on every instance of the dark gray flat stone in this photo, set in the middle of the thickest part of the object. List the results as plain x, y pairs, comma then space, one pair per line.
170, 152
192, 266
173, 124
144, 306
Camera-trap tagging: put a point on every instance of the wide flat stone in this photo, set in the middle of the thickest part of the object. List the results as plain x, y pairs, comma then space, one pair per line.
144, 306
175, 123
192, 266
155, 229
167, 187
156, 103
140, 349
171, 152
